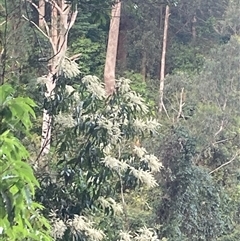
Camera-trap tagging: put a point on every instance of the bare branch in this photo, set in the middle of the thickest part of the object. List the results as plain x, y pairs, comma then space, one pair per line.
42, 32
35, 6
73, 18
75, 57
218, 142
181, 104
164, 108
226, 163
220, 129
39, 29
55, 5
2, 23
44, 21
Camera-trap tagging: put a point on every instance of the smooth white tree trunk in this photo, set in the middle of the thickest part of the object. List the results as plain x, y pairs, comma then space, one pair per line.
163, 59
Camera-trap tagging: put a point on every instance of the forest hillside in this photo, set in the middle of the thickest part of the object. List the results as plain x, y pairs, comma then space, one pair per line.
119, 120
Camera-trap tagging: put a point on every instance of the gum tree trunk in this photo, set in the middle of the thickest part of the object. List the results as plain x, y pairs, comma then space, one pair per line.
163, 58
111, 56
63, 16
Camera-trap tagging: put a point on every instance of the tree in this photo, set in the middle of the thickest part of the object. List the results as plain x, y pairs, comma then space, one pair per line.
63, 17
163, 59
97, 157
111, 55
193, 206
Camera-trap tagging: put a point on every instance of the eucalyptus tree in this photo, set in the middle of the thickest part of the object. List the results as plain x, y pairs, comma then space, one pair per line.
63, 16
99, 159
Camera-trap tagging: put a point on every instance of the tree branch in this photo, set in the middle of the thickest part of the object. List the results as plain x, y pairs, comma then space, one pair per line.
181, 104
73, 18
226, 163
42, 32
54, 4
3, 23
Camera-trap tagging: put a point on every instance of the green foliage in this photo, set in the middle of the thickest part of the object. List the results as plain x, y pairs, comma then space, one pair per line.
89, 50
193, 207
210, 116
145, 88
88, 38
185, 58
20, 216
96, 150
95, 140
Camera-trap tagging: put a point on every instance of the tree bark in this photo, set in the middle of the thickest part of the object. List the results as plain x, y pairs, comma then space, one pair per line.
163, 58
41, 16
111, 56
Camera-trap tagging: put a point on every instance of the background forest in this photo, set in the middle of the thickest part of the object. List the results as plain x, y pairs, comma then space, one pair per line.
120, 120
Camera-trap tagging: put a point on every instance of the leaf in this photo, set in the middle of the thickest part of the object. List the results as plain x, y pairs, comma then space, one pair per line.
5, 91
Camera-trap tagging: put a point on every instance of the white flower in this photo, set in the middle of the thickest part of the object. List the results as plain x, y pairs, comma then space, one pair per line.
144, 176
152, 124
58, 229
125, 236
135, 100
95, 234
114, 163
82, 224
146, 234
95, 86
109, 202
105, 123
107, 149
65, 120
153, 162
69, 68
139, 124
124, 85
139, 151
111, 162
113, 129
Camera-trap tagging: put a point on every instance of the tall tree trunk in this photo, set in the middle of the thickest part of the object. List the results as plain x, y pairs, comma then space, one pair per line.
163, 59
41, 16
111, 56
